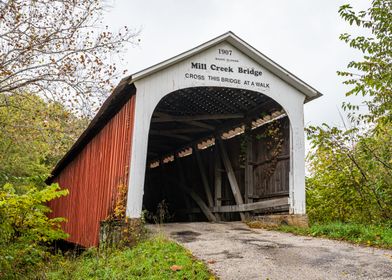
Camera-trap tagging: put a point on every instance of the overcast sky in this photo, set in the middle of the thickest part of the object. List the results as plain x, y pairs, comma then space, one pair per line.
300, 35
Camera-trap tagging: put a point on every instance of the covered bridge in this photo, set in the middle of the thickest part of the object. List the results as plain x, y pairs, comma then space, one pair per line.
216, 133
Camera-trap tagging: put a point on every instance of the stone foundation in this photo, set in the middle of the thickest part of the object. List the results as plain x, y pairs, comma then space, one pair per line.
279, 219
117, 233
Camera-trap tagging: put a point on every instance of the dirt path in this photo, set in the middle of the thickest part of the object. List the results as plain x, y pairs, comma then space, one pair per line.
234, 251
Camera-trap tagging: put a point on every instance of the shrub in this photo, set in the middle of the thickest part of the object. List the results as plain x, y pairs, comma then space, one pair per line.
25, 229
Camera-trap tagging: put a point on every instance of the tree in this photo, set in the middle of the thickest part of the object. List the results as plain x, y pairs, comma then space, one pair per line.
351, 168
34, 135
57, 49
373, 75
351, 175
54, 66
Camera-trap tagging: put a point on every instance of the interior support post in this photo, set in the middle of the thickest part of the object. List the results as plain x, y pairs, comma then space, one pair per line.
203, 176
162, 178
217, 179
230, 174
204, 208
248, 167
182, 182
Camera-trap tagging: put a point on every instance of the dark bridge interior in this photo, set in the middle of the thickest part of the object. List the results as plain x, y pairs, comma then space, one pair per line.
216, 154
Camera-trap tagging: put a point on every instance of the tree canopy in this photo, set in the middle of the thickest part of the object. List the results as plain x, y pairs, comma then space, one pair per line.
57, 64
351, 167
34, 135
372, 76
59, 50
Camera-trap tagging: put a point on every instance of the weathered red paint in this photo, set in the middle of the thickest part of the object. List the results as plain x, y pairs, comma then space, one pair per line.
93, 176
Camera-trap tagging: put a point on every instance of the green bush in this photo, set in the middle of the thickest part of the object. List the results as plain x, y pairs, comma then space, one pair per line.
351, 168
26, 230
350, 175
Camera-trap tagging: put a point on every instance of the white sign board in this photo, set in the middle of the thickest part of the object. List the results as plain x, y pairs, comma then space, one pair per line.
224, 65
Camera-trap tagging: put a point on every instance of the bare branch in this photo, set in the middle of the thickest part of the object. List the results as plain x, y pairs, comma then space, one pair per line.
47, 45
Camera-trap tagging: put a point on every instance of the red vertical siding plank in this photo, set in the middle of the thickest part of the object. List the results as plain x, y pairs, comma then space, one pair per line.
92, 178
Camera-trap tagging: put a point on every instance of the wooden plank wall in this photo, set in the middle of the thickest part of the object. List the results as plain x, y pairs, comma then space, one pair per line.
266, 185
92, 179
162, 182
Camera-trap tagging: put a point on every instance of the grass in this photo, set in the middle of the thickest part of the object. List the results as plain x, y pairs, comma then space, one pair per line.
155, 258
369, 235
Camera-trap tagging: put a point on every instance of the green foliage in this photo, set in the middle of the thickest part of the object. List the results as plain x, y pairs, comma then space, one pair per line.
357, 233
351, 175
150, 259
351, 168
373, 75
25, 229
34, 135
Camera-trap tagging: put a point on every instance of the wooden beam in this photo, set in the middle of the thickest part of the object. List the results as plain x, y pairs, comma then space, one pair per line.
218, 178
203, 207
204, 179
266, 106
277, 202
178, 130
218, 130
217, 181
230, 174
272, 195
201, 124
196, 118
160, 145
157, 114
223, 101
162, 176
278, 158
276, 209
194, 123
193, 210
182, 182
260, 206
171, 135
248, 166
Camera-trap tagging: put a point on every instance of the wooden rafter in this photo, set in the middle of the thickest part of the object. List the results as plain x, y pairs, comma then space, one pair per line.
177, 131
193, 123
161, 145
218, 131
171, 135
201, 124
196, 118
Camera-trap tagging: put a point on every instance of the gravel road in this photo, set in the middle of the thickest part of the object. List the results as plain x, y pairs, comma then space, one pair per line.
234, 251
